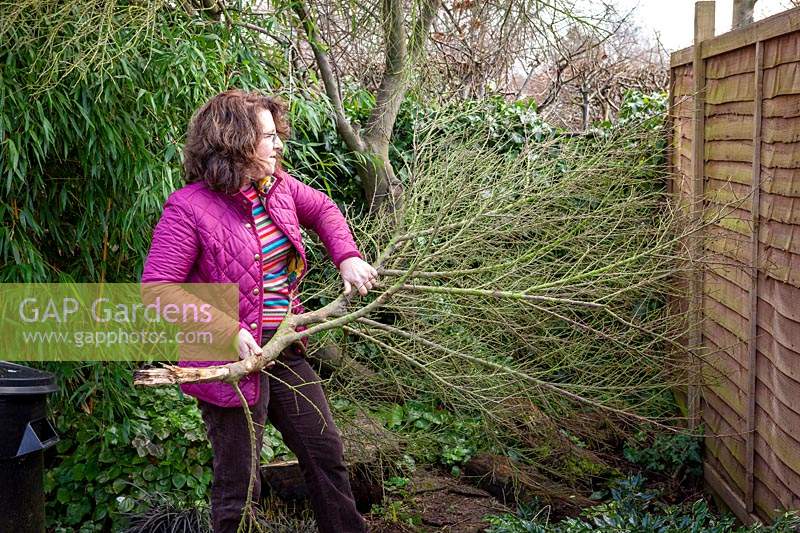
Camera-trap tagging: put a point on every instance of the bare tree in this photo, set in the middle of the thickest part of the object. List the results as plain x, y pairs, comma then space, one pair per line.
474, 45
589, 69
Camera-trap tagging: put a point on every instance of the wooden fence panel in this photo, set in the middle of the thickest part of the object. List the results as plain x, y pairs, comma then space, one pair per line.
749, 129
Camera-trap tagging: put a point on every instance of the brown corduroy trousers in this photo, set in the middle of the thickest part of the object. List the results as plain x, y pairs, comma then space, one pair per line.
307, 429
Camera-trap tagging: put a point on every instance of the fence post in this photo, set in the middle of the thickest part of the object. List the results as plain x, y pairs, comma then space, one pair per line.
752, 344
703, 30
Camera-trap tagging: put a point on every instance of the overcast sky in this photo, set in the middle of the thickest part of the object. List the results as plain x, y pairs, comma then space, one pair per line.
673, 20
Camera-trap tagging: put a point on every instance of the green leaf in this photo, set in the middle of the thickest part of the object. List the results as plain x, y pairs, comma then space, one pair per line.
393, 416
77, 511
106, 456
77, 472
125, 504
13, 154
100, 512
150, 473
178, 481
118, 486
63, 495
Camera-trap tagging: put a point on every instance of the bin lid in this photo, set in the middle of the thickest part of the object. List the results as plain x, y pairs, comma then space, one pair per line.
19, 379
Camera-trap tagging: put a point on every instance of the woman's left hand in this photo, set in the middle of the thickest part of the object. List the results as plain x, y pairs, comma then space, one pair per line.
357, 273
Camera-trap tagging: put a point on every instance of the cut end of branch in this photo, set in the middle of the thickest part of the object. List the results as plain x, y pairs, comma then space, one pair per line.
174, 375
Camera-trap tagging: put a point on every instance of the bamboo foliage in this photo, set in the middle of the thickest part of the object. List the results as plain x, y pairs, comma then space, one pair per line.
95, 101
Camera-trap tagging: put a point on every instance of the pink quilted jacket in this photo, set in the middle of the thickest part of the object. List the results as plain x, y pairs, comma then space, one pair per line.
205, 236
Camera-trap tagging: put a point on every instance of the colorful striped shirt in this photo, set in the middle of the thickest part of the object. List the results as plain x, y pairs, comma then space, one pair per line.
275, 250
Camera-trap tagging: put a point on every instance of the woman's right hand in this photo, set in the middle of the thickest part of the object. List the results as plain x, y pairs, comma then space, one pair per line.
247, 345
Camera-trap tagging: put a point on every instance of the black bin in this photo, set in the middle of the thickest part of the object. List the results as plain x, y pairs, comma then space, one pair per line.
25, 433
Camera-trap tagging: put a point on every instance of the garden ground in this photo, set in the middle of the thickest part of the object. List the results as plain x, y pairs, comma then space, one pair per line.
433, 500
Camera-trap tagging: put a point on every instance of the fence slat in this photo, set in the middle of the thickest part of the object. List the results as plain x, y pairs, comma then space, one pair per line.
703, 30
752, 362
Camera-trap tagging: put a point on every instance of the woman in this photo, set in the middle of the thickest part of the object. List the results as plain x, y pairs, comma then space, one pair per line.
238, 221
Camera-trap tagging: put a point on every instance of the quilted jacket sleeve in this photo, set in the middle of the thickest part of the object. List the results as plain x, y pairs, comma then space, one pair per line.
173, 252
315, 210
174, 248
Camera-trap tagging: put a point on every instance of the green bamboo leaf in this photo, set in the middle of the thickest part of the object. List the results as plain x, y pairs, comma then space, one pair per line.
13, 154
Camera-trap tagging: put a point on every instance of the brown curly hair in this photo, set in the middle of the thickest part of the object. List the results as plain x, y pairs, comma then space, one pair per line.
223, 135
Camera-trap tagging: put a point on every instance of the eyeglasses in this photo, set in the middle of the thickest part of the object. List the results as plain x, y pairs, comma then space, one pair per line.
273, 137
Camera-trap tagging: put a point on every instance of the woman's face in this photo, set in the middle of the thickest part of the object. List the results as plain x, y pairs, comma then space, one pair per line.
269, 147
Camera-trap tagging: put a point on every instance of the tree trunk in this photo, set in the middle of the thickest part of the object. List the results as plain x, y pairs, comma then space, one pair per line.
742, 13
381, 186
585, 103
402, 51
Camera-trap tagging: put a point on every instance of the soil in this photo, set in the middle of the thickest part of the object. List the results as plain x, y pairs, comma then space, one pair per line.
435, 501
